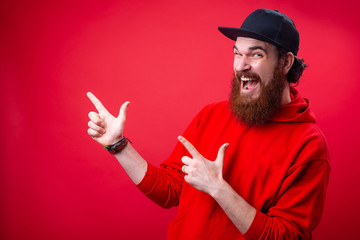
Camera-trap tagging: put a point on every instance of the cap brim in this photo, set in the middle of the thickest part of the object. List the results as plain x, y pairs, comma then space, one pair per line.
233, 33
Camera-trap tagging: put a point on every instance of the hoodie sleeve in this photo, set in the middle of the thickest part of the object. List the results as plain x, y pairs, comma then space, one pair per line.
298, 210
163, 185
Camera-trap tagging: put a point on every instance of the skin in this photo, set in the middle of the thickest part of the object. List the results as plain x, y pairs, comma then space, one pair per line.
201, 173
251, 55
107, 129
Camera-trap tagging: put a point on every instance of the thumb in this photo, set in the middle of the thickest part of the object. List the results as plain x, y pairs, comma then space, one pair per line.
221, 154
123, 110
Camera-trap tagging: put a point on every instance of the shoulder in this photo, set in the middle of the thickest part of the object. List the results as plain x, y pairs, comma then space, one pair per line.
216, 107
312, 144
211, 114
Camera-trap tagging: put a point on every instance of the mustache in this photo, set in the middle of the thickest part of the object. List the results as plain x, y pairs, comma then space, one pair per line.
250, 75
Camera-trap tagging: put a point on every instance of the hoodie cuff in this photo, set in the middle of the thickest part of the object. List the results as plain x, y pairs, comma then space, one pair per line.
257, 226
148, 182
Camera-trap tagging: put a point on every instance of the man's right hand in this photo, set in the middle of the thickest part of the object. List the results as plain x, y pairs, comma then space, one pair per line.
104, 127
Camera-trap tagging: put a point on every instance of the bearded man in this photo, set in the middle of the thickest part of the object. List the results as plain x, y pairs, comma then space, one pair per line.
272, 181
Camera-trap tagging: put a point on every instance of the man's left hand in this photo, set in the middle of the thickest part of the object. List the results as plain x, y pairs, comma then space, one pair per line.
201, 173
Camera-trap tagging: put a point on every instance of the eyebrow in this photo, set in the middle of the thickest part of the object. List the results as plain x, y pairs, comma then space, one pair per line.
253, 48
258, 47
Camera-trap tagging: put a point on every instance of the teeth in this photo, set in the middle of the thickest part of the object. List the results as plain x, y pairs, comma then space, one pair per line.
245, 84
245, 79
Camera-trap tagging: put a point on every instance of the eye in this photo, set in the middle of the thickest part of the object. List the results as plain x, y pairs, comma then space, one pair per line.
257, 55
236, 53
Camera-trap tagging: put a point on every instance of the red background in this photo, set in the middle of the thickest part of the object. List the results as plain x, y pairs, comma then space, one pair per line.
169, 60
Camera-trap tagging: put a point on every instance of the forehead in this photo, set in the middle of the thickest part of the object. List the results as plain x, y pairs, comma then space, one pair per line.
246, 44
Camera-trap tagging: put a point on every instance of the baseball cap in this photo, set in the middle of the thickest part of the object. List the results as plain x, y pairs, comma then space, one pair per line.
269, 26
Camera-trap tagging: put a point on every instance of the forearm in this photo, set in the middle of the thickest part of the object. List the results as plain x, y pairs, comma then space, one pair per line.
240, 212
107, 129
206, 176
132, 162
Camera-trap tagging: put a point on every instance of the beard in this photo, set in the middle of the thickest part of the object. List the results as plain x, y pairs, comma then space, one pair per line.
257, 111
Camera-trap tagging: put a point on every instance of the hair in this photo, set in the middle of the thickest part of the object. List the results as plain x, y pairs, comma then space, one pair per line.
296, 69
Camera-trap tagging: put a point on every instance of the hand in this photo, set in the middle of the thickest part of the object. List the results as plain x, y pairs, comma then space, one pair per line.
104, 127
201, 173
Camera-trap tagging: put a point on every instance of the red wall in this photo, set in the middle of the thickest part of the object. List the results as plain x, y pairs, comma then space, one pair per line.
169, 60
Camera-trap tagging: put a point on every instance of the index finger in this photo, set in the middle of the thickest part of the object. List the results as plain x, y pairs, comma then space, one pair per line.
192, 150
98, 105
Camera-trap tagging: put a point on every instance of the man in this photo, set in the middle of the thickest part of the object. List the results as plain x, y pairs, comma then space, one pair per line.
271, 182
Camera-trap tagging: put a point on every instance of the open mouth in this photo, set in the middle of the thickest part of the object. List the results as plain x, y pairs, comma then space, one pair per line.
249, 84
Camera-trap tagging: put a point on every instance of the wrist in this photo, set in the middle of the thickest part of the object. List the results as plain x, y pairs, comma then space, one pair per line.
117, 146
219, 188
113, 142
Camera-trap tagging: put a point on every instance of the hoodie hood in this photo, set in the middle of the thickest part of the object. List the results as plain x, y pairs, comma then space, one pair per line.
298, 110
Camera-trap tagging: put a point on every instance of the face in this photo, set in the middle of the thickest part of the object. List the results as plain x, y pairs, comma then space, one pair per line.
259, 81
254, 65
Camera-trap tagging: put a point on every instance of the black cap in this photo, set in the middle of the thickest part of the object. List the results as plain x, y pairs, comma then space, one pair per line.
269, 26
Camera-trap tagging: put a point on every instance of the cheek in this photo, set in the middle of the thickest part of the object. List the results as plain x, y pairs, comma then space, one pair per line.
238, 65
234, 65
266, 74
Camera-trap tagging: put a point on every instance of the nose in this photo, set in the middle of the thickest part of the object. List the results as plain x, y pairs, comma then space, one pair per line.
242, 64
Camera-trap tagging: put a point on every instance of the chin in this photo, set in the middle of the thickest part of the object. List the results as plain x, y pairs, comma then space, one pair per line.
249, 97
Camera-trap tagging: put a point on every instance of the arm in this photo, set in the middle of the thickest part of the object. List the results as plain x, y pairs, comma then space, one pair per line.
296, 211
206, 176
240, 212
106, 129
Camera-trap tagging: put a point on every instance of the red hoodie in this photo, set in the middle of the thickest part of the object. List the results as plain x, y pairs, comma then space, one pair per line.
281, 168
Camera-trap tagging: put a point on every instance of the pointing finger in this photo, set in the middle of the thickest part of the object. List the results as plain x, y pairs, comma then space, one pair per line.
192, 150
98, 105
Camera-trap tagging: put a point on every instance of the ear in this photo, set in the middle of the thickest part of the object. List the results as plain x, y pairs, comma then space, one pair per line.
288, 62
